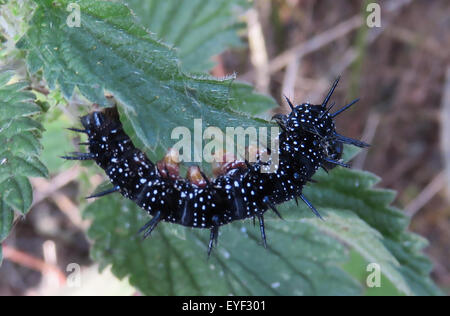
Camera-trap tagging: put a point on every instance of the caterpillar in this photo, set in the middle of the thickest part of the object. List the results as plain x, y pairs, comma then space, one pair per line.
307, 141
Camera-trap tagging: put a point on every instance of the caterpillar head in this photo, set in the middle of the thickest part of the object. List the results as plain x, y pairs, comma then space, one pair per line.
315, 119
312, 118
318, 120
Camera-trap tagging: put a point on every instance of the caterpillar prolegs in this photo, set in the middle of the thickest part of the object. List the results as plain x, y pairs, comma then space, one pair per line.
307, 141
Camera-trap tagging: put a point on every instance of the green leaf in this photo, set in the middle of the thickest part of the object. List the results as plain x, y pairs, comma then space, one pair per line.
361, 216
19, 150
6, 220
110, 51
305, 251
6, 223
55, 142
17, 192
199, 29
349, 228
173, 260
357, 267
19, 145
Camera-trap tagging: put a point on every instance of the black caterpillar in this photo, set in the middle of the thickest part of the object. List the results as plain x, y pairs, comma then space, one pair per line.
308, 140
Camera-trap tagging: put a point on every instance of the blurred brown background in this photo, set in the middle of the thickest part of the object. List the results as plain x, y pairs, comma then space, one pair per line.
401, 72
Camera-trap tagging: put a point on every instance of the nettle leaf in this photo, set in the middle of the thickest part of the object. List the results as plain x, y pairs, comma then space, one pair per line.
6, 220
19, 145
6, 223
304, 254
110, 51
199, 29
19, 150
361, 217
173, 261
